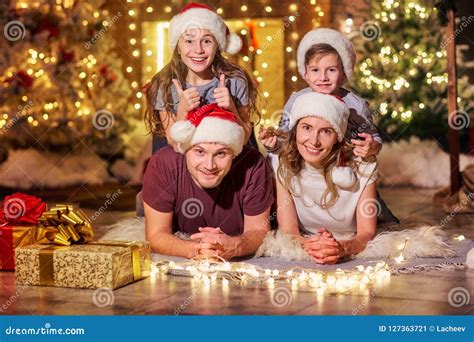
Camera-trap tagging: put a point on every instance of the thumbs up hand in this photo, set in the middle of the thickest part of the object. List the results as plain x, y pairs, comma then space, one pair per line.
189, 99
222, 94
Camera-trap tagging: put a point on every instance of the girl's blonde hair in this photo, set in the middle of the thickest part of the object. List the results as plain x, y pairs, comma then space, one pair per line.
176, 69
291, 163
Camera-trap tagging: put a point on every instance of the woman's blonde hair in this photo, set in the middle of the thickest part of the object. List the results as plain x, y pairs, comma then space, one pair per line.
291, 163
176, 69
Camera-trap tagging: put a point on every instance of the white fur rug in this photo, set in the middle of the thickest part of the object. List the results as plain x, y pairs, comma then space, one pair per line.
422, 242
427, 248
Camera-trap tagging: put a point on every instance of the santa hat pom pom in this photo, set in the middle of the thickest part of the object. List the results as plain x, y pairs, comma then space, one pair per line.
470, 258
234, 44
343, 176
182, 131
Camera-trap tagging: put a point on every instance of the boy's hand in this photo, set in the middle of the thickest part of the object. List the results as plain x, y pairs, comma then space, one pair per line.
188, 98
367, 147
267, 139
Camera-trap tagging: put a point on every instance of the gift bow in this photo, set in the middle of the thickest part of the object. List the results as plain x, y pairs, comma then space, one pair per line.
63, 225
21, 209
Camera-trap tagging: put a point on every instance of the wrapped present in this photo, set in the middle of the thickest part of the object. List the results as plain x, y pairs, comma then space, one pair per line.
64, 255
19, 215
97, 264
12, 237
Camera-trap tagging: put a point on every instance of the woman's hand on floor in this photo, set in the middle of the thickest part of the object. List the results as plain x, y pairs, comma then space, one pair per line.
324, 248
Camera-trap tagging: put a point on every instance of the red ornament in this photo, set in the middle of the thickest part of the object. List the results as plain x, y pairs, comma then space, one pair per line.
24, 80
103, 69
47, 25
66, 56
109, 75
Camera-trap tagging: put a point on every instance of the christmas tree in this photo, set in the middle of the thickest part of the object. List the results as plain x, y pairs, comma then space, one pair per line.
402, 71
62, 84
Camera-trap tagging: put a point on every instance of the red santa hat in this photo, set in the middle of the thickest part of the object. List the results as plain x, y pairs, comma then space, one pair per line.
199, 16
208, 124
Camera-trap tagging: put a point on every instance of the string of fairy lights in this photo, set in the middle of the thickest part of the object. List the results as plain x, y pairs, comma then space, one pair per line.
140, 45
38, 61
209, 272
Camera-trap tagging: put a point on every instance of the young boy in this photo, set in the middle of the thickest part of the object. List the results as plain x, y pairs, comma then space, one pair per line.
326, 61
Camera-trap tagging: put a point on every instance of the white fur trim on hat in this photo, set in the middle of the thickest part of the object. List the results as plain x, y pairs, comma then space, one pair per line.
324, 106
337, 40
182, 132
234, 44
202, 18
209, 130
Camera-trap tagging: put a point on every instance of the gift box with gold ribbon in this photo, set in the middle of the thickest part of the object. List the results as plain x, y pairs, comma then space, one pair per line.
19, 215
97, 264
64, 255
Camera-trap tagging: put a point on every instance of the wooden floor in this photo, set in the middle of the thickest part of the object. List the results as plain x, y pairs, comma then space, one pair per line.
415, 294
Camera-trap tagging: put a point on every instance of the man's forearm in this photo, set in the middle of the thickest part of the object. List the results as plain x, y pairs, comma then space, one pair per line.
168, 244
249, 242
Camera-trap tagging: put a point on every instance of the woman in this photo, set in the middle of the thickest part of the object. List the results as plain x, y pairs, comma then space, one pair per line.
325, 196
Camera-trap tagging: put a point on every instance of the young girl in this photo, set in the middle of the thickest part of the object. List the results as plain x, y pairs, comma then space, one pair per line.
322, 189
198, 74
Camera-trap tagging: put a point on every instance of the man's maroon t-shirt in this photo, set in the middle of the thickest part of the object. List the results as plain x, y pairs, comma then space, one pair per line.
246, 189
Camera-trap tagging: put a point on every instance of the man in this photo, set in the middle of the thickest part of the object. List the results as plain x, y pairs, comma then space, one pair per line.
215, 190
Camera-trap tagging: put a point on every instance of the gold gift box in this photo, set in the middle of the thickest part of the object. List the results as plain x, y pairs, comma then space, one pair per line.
97, 264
